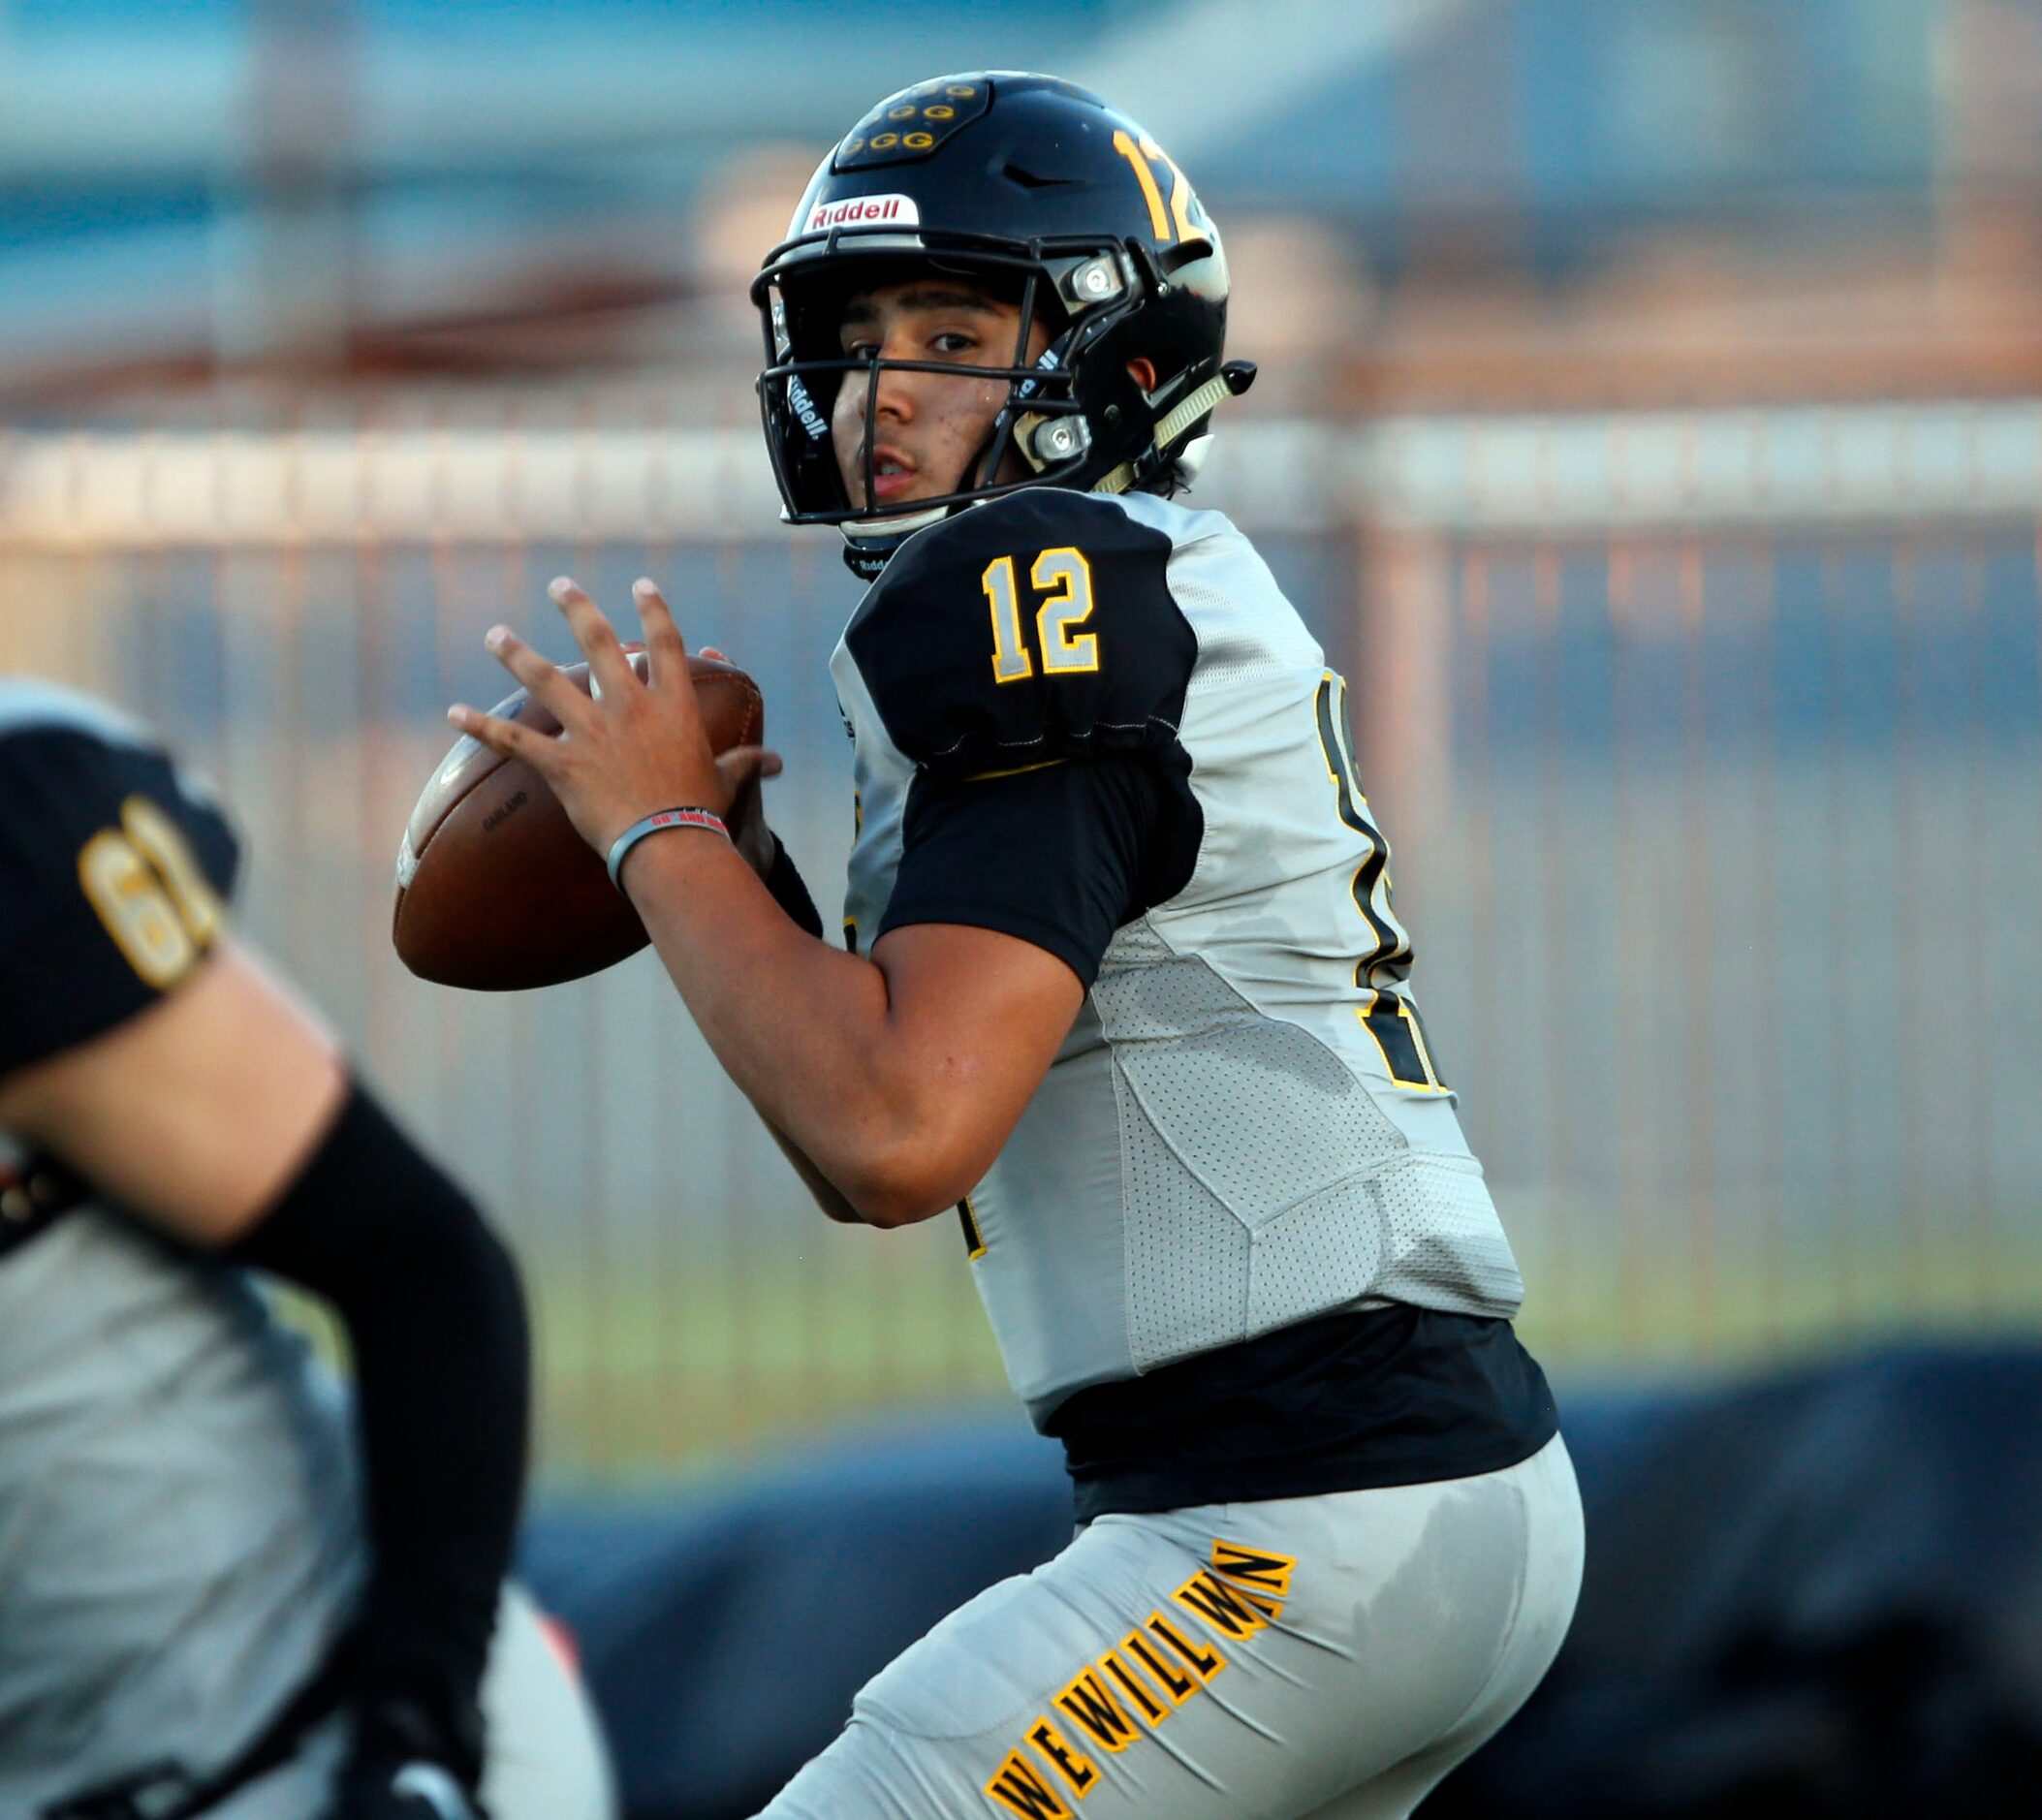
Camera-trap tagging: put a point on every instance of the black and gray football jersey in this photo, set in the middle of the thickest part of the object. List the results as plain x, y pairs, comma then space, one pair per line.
179, 1539
1244, 1128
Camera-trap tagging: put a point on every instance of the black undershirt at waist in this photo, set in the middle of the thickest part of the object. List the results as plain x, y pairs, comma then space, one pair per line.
1347, 1403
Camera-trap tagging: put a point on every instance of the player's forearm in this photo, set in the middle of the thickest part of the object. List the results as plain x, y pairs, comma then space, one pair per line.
808, 1032
767, 856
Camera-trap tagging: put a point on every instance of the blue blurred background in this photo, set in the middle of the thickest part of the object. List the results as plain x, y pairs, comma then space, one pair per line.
1651, 426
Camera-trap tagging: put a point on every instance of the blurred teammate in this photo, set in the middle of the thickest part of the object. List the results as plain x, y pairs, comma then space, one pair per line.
1125, 988
221, 1595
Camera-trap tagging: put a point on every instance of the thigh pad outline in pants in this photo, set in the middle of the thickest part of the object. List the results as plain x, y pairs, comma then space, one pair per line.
1210, 1664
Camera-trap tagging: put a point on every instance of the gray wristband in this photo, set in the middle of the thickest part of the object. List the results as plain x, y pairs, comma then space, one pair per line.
656, 824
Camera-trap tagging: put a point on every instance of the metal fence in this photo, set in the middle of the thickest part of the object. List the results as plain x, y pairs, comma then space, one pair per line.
1710, 746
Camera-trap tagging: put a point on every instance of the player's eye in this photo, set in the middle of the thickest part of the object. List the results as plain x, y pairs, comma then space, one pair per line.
952, 342
862, 350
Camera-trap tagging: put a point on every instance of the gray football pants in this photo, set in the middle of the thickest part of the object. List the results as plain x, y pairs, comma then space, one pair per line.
547, 1758
1316, 1658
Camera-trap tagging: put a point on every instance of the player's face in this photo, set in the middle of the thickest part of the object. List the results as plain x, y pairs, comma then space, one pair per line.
925, 426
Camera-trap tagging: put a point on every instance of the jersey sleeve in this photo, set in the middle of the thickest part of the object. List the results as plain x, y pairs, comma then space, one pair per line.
114, 877
1060, 854
1037, 627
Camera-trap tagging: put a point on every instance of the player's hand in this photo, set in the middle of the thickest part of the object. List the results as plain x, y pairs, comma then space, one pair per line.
631, 748
401, 1769
412, 1791
744, 769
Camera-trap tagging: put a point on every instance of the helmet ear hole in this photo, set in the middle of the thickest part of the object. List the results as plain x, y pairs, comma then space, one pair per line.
1052, 440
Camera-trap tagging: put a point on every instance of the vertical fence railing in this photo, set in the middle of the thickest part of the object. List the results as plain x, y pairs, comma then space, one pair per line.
1710, 747
1737, 861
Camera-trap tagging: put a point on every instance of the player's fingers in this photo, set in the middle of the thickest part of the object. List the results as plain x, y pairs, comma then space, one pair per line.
608, 666
543, 680
667, 652
508, 737
743, 766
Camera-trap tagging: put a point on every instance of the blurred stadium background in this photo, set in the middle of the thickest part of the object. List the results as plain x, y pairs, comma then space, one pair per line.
1651, 426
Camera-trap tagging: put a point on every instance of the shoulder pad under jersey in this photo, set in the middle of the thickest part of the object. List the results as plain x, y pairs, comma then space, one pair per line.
1035, 627
114, 871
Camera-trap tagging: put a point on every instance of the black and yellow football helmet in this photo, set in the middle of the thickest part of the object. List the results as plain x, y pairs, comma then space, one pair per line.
1040, 189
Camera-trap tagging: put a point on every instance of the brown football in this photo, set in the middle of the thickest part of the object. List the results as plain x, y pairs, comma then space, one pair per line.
495, 891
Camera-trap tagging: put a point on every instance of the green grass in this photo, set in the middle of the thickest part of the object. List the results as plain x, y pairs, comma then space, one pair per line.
651, 1372
647, 1373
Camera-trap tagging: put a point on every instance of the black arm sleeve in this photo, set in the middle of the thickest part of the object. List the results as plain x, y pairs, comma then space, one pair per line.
791, 894
436, 1322
1059, 855
113, 873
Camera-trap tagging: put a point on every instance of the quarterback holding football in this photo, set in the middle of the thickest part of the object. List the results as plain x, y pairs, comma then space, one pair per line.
1121, 989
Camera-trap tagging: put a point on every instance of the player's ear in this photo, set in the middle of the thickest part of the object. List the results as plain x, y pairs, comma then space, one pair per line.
1144, 373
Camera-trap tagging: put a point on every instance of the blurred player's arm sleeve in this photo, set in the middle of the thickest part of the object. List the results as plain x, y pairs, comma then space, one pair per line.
159, 1062
436, 1322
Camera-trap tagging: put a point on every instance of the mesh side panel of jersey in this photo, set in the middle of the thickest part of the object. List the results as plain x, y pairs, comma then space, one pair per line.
1232, 1123
1325, 1250
1420, 1229
1187, 1256
1446, 1248
1229, 649
1265, 1184
1257, 1110
1135, 944
1221, 586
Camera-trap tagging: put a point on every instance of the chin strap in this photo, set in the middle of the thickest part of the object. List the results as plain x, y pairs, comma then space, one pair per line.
868, 543
1230, 382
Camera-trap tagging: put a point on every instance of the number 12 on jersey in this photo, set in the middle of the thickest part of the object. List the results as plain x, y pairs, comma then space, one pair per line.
1386, 1014
1063, 578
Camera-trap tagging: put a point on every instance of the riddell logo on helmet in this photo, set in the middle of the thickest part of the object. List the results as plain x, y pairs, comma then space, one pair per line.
864, 212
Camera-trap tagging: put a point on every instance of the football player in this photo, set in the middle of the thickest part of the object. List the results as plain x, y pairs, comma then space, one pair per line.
221, 1592
1123, 986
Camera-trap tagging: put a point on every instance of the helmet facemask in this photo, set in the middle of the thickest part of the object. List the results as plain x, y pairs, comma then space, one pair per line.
1048, 419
